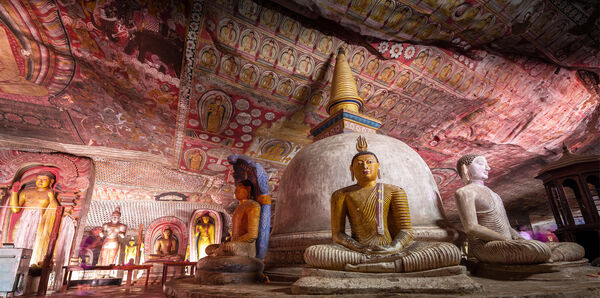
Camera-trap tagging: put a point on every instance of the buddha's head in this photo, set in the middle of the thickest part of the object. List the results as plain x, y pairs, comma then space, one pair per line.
167, 232
116, 215
205, 219
131, 243
472, 167
44, 180
365, 165
243, 190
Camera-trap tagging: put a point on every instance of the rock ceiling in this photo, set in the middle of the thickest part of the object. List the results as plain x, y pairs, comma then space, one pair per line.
185, 84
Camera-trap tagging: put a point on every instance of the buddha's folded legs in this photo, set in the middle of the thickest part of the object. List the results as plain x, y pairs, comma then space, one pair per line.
419, 256
430, 255
416, 257
510, 252
232, 249
332, 256
565, 251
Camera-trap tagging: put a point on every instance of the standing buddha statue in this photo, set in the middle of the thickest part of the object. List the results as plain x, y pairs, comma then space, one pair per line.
39, 210
130, 252
382, 235
205, 232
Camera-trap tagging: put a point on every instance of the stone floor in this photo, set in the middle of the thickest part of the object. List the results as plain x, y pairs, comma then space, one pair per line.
586, 286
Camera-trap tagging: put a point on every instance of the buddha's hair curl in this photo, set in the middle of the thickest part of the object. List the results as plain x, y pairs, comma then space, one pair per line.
467, 159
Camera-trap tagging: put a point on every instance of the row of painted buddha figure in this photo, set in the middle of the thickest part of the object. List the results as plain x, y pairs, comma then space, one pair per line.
382, 238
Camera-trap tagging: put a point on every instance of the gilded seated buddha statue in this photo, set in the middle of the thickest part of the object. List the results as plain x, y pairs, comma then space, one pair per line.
240, 259
165, 248
382, 235
490, 236
244, 230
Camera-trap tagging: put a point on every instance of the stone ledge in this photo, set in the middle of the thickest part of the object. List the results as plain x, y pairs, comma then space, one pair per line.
449, 280
585, 286
446, 271
558, 271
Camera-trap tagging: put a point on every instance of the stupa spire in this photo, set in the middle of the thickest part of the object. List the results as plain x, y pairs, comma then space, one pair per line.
344, 94
344, 105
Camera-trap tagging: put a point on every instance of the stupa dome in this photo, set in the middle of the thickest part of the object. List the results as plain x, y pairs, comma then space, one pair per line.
302, 214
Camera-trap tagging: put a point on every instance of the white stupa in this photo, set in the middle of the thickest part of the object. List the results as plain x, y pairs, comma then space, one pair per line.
303, 216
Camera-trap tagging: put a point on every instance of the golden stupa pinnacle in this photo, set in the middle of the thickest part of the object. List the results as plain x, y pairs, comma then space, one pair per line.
344, 94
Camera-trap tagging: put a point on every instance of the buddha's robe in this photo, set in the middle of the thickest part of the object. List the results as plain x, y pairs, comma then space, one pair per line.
244, 232
33, 230
375, 223
492, 215
205, 233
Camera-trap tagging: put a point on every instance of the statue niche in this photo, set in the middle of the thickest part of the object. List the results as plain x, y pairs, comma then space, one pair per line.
165, 247
205, 229
165, 240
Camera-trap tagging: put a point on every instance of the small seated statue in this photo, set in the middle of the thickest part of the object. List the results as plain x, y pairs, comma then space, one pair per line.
165, 248
382, 235
244, 230
490, 237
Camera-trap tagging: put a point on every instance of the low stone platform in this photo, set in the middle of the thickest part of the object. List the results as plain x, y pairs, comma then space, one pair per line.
587, 285
284, 274
559, 271
443, 280
220, 270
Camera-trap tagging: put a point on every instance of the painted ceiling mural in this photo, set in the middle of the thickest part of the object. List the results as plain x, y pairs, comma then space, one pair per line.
129, 54
195, 81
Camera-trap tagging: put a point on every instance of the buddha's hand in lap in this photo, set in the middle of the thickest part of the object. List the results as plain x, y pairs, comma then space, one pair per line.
381, 267
381, 249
